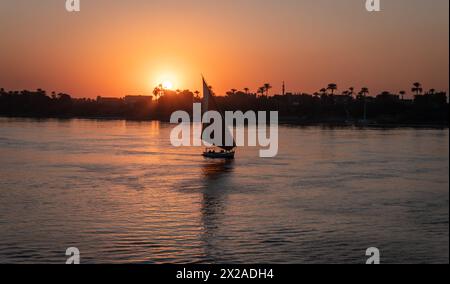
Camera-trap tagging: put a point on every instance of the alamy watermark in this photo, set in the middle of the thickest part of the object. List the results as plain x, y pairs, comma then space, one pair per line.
73, 5
220, 130
74, 255
374, 256
373, 253
371, 5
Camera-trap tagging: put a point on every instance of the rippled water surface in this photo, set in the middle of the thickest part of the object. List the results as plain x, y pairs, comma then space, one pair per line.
121, 194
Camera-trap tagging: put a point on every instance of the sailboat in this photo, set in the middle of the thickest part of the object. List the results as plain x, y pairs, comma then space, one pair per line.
222, 151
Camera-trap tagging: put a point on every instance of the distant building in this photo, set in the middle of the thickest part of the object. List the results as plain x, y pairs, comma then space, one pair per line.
436, 99
294, 99
387, 97
342, 99
109, 101
131, 100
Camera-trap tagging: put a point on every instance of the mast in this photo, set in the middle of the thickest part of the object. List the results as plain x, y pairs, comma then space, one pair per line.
209, 104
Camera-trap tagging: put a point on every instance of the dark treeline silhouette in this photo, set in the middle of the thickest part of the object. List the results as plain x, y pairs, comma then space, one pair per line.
325, 106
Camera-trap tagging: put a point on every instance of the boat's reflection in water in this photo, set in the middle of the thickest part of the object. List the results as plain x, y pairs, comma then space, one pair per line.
217, 186
214, 169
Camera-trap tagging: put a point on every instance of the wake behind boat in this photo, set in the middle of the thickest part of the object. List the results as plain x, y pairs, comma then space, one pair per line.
215, 152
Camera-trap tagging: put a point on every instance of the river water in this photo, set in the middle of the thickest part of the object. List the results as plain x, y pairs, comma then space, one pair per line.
120, 193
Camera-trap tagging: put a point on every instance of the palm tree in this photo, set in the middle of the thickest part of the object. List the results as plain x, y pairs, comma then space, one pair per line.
402, 94
417, 88
246, 90
261, 91
323, 92
231, 92
332, 87
432, 92
364, 92
351, 91
157, 92
267, 87
197, 94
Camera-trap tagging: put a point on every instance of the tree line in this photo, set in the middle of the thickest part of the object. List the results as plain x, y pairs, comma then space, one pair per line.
327, 105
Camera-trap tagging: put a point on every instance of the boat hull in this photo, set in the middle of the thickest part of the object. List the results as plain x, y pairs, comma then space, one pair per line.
219, 155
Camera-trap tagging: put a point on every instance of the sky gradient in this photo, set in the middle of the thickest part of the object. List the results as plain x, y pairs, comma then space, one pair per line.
115, 48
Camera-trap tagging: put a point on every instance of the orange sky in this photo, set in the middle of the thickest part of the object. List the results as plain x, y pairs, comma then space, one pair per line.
117, 48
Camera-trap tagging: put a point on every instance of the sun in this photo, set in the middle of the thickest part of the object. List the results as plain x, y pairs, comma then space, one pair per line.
167, 84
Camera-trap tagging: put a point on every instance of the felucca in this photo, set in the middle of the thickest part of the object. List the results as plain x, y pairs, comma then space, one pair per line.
217, 151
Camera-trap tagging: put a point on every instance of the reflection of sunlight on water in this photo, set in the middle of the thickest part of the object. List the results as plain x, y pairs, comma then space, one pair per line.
121, 193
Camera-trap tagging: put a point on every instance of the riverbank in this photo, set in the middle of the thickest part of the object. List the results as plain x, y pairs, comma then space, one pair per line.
282, 121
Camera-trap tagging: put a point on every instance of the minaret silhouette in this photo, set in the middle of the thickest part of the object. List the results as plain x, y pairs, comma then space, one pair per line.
284, 89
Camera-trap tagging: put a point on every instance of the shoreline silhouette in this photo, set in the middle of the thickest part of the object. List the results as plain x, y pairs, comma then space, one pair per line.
325, 107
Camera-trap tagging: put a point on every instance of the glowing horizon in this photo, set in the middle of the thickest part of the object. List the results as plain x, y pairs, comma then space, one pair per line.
117, 48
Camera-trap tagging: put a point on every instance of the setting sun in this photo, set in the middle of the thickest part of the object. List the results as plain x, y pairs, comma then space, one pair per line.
168, 85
